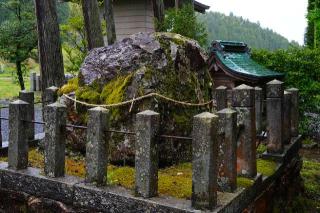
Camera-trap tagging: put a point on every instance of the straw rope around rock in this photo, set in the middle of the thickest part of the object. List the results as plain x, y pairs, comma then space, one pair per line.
124, 103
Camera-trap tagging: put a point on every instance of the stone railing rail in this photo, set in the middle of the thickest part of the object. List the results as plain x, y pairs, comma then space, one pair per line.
223, 144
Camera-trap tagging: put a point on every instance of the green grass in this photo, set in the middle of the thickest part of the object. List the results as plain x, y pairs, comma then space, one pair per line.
10, 89
311, 176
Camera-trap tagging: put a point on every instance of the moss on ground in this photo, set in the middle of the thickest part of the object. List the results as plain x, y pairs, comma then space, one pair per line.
244, 182
261, 149
266, 167
174, 181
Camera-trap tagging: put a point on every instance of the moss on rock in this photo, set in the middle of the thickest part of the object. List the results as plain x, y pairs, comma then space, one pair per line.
71, 86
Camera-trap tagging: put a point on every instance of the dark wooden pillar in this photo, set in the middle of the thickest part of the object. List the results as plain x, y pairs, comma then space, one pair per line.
109, 17
92, 23
49, 46
159, 11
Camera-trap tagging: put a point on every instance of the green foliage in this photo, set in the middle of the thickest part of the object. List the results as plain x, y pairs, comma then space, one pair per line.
233, 28
302, 69
312, 36
74, 42
184, 22
18, 33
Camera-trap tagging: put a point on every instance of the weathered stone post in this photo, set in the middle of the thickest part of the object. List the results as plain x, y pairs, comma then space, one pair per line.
221, 97
275, 93
146, 156
287, 117
51, 95
243, 98
29, 98
294, 112
55, 135
204, 161
18, 142
258, 108
227, 166
38, 83
33, 77
97, 146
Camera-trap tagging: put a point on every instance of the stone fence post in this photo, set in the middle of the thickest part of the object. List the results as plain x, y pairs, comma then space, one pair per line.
227, 163
51, 95
275, 93
204, 161
243, 101
29, 98
38, 83
97, 146
18, 142
221, 97
258, 108
294, 112
287, 117
55, 116
146, 156
33, 77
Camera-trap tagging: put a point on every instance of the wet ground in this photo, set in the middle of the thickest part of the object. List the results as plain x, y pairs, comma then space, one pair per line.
4, 124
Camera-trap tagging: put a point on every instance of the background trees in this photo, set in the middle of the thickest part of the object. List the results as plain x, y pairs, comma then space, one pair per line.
17, 33
184, 21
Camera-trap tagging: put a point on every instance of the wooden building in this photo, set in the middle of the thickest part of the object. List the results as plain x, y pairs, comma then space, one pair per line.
133, 16
230, 65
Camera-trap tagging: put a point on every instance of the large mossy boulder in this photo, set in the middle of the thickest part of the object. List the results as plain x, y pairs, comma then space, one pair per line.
145, 63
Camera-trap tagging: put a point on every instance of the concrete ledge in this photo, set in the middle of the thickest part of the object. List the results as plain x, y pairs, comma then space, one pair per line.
117, 199
32, 182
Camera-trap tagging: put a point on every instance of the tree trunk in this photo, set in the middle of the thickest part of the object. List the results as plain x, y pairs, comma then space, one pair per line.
92, 23
20, 75
50, 53
109, 16
158, 8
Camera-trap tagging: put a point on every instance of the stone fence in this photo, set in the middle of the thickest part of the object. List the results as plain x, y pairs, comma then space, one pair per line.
223, 143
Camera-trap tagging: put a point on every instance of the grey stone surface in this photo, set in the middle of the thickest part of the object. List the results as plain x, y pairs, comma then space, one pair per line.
227, 162
29, 98
275, 89
275, 94
55, 135
294, 111
97, 145
243, 97
146, 158
221, 97
51, 95
244, 104
258, 108
205, 161
18, 142
287, 117
139, 50
38, 83
33, 77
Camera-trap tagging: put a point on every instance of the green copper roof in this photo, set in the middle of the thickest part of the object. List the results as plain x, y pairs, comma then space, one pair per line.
235, 57
243, 64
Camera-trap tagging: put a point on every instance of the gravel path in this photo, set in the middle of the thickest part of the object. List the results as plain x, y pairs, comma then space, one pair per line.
4, 124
